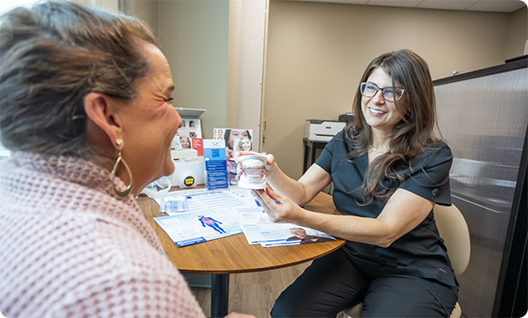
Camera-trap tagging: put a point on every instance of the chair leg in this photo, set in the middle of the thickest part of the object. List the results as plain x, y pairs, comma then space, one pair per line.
354, 312
457, 312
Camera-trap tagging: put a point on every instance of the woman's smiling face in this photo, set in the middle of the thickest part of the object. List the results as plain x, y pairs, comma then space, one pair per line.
380, 114
150, 123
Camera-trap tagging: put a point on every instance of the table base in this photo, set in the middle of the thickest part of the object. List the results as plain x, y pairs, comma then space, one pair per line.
219, 295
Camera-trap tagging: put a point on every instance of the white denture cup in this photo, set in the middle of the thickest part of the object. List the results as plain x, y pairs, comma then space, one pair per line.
253, 169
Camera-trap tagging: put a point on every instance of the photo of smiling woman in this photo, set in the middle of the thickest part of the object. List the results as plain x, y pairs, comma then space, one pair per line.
230, 135
243, 144
185, 142
389, 170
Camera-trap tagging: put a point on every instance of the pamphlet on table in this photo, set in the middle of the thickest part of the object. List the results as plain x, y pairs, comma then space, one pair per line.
220, 213
200, 226
258, 229
209, 215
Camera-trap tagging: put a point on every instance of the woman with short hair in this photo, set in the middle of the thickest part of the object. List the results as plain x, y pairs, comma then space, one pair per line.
85, 109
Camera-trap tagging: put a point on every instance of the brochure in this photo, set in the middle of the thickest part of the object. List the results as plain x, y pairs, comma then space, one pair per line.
216, 176
258, 229
197, 145
232, 138
199, 226
209, 215
192, 127
219, 213
187, 134
203, 199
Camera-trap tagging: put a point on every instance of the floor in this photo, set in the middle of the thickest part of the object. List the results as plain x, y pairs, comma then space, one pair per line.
253, 293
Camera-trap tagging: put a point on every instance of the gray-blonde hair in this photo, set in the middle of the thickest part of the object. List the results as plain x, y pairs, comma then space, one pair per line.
51, 56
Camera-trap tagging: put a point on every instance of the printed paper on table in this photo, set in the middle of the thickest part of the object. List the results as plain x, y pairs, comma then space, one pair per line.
258, 229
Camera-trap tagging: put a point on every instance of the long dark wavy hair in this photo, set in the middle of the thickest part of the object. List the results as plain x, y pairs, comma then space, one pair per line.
409, 137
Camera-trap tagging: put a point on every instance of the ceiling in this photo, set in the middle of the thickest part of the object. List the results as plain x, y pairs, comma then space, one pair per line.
468, 5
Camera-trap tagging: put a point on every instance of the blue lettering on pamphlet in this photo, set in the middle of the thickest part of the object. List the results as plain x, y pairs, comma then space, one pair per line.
190, 241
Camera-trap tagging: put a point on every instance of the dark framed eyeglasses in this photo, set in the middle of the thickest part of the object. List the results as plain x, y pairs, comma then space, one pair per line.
389, 93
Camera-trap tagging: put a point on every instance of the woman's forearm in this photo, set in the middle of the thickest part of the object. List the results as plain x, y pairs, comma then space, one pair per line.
402, 213
348, 227
286, 186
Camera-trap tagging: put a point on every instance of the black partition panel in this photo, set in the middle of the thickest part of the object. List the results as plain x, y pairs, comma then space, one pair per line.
484, 117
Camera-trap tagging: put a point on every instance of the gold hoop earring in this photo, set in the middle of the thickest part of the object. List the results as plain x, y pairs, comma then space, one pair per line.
124, 193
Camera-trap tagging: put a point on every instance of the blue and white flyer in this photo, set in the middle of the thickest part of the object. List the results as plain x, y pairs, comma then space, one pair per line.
210, 215
258, 229
200, 226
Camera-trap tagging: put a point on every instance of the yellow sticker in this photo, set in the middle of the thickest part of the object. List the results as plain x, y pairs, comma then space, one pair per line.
189, 181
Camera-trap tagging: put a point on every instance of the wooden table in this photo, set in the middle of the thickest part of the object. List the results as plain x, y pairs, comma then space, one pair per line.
233, 254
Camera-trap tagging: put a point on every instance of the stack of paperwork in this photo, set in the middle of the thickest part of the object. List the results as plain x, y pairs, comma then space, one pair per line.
219, 213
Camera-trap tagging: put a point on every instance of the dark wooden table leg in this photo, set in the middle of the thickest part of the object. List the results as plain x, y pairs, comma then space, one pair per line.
219, 295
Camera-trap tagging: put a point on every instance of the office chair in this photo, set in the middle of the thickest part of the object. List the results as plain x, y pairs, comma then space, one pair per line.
454, 231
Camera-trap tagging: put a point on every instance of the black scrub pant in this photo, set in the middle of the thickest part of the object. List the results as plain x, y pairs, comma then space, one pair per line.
335, 282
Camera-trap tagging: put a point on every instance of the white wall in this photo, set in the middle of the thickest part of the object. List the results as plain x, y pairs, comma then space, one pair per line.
247, 21
146, 10
109, 5
6, 5
193, 37
517, 36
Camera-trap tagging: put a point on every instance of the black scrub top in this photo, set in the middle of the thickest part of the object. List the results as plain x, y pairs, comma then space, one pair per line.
421, 252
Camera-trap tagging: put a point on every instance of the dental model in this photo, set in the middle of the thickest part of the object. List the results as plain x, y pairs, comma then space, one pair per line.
253, 169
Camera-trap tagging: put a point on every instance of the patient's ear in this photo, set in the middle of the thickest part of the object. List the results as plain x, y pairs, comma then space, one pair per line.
103, 125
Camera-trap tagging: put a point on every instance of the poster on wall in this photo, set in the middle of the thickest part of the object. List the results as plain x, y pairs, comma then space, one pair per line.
232, 136
192, 128
189, 136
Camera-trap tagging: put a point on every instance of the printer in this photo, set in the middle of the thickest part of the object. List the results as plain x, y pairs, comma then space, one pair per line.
322, 130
